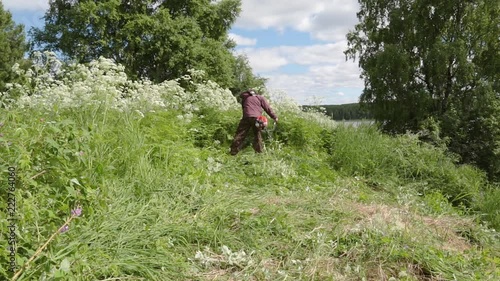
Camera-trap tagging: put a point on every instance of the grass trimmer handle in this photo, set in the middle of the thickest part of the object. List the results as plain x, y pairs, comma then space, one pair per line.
270, 132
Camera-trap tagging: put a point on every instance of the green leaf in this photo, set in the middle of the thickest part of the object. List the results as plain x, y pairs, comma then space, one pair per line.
71, 190
52, 143
59, 274
75, 181
65, 265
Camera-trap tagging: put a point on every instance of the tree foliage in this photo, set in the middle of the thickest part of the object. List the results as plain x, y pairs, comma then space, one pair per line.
244, 78
12, 46
425, 59
153, 39
349, 111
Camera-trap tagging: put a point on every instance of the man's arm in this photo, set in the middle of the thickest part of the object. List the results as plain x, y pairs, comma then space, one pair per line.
267, 108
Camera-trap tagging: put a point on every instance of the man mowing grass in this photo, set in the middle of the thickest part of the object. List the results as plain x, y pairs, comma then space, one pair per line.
252, 104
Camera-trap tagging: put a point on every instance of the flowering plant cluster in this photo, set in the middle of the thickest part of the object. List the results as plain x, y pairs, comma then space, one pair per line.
285, 105
51, 84
226, 259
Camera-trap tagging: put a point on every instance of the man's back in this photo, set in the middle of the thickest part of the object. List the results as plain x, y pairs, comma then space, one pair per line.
254, 104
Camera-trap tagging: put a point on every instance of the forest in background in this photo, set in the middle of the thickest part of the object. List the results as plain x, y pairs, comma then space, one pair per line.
340, 112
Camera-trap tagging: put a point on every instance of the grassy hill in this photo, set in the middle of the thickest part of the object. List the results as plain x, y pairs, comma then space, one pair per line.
162, 199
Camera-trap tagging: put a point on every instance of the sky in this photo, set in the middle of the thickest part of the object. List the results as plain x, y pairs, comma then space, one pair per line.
297, 44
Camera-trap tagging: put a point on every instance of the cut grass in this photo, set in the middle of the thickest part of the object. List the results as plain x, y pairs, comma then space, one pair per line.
159, 206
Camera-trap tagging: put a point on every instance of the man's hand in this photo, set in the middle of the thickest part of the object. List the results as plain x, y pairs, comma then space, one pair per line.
276, 120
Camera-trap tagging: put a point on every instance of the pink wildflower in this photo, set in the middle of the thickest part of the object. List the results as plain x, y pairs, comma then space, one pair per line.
64, 229
76, 212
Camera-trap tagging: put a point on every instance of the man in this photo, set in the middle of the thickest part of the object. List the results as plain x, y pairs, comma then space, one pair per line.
252, 105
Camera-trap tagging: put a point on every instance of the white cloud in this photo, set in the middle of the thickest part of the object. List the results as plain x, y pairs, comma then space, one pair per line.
323, 81
344, 75
269, 59
265, 60
326, 73
242, 41
26, 5
327, 20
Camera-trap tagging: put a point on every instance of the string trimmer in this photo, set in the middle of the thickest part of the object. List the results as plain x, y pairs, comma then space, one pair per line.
270, 132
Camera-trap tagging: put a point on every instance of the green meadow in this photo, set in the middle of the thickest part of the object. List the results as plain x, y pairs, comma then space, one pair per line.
162, 199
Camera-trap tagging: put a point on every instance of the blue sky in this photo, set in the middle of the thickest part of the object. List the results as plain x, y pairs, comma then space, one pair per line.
297, 45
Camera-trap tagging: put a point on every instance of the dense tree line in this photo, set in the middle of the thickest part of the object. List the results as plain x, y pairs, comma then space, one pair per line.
434, 67
348, 111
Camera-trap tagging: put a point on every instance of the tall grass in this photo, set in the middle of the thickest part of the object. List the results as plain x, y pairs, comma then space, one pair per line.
163, 200
366, 152
487, 206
